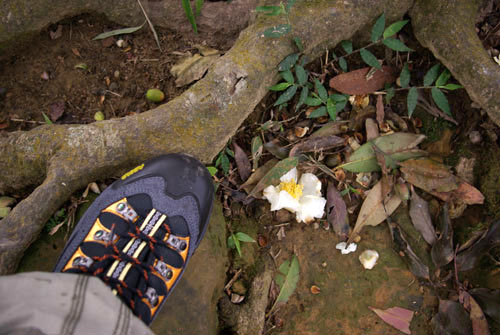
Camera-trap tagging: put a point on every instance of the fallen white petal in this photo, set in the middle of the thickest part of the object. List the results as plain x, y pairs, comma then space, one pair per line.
280, 199
368, 258
289, 176
346, 249
311, 185
310, 207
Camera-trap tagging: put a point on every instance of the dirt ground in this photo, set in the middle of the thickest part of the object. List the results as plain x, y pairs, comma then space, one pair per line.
42, 78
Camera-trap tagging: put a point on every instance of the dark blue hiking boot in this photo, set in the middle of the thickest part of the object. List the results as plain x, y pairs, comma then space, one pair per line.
140, 233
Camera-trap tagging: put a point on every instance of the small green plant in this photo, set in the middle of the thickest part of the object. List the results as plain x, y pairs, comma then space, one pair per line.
222, 160
56, 219
296, 78
281, 10
191, 16
46, 119
233, 241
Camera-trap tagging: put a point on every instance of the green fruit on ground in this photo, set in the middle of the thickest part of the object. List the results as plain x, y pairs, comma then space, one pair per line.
155, 95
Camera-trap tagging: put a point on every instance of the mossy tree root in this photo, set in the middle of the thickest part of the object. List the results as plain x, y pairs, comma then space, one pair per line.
447, 29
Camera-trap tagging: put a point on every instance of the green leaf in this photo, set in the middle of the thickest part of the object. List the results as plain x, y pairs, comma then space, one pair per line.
441, 100
301, 74
431, 75
378, 28
117, 32
298, 43
257, 149
320, 89
331, 109
224, 162
288, 62
443, 77
343, 64
347, 46
230, 242
404, 77
398, 146
395, 44
81, 66
303, 97
369, 58
197, 5
390, 94
273, 176
287, 95
212, 170
318, 112
411, 100
339, 106
186, 4
277, 31
394, 28
290, 273
288, 76
313, 102
46, 119
280, 87
451, 87
244, 237
338, 97
230, 152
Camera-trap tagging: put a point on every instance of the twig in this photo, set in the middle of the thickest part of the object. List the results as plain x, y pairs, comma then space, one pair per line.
231, 282
150, 25
27, 121
114, 93
276, 225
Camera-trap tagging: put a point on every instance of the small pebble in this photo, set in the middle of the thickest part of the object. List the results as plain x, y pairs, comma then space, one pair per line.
475, 137
116, 74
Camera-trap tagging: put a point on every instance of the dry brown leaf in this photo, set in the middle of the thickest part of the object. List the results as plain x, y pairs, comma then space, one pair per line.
316, 144
372, 211
242, 162
336, 212
421, 217
479, 323
258, 175
315, 289
355, 82
442, 147
397, 317
371, 129
192, 68
429, 175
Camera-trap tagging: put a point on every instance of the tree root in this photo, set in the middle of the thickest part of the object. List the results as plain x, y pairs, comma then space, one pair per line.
447, 29
64, 158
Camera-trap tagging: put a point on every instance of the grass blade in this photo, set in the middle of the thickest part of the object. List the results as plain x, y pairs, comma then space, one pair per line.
150, 25
122, 31
186, 4
197, 5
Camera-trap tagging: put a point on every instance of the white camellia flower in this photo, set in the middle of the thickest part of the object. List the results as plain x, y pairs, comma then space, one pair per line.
304, 199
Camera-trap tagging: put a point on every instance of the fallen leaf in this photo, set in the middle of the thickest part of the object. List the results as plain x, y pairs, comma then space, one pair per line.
331, 128
336, 212
76, 52
262, 241
421, 217
442, 251
397, 119
465, 169
191, 68
287, 279
273, 176
355, 82
451, 319
402, 247
397, 317
317, 144
442, 147
374, 210
122, 31
4, 211
242, 162
380, 109
398, 146
489, 301
469, 259
57, 33
56, 110
258, 175
479, 323
371, 129
315, 289
429, 175
56, 228
256, 151
6, 201
276, 149
468, 194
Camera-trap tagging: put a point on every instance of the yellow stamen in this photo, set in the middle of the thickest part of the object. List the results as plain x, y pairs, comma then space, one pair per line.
294, 189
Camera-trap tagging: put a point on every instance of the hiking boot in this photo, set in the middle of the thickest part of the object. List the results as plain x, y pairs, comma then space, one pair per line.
140, 233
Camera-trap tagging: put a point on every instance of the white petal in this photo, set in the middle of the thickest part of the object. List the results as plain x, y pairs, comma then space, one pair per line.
311, 184
310, 207
280, 199
346, 249
290, 175
368, 258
